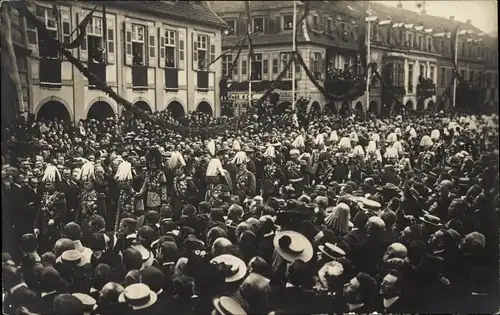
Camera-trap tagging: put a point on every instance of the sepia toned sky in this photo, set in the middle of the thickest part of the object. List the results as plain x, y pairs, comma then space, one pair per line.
483, 13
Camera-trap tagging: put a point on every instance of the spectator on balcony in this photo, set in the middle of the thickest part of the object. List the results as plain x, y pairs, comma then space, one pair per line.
98, 55
138, 60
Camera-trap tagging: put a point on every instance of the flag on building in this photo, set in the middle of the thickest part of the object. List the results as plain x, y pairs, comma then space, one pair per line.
453, 46
362, 34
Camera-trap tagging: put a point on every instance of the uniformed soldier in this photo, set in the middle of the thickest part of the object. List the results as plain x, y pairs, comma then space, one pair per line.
154, 189
272, 176
219, 181
184, 189
129, 202
245, 180
51, 216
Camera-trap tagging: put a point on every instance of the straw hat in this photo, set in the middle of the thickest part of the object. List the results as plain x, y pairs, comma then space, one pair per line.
89, 303
238, 268
139, 296
71, 256
228, 306
332, 250
292, 246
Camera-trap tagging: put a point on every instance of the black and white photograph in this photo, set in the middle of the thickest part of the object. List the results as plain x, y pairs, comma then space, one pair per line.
250, 157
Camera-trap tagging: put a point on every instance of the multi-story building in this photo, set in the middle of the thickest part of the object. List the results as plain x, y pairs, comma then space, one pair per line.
327, 41
153, 53
408, 46
10, 103
411, 51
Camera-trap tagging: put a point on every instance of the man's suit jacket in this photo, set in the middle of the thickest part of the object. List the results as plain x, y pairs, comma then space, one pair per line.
44, 305
403, 305
71, 191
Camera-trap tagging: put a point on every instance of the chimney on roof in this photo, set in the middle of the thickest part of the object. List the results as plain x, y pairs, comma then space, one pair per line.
468, 22
400, 5
452, 18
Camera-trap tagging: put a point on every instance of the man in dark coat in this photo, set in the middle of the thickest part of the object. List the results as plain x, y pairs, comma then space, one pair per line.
70, 189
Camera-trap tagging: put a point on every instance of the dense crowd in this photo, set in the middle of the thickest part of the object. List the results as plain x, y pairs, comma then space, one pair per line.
285, 215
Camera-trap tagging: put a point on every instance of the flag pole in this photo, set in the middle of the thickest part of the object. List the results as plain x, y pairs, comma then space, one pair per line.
456, 69
294, 44
368, 54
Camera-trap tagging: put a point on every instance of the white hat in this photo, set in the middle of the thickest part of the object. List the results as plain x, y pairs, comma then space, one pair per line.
333, 136
345, 143
138, 295
236, 145
371, 147
240, 158
298, 142
392, 137
214, 167
435, 134
391, 153
358, 151
426, 141
87, 172
270, 152
238, 268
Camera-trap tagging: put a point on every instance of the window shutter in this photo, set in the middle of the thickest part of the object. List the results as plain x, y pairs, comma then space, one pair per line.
244, 26
277, 24
31, 34
180, 44
321, 24
322, 65
266, 25
298, 73
111, 39
194, 38
311, 62
128, 43
151, 46
66, 26
212, 52
271, 25
265, 75
161, 48
207, 60
83, 51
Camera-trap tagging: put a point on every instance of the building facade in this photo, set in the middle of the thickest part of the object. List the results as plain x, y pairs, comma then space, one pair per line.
411, 51
153, 54
327, 42
414, 53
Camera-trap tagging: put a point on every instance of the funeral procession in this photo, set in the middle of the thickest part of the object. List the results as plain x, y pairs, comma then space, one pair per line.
250, 157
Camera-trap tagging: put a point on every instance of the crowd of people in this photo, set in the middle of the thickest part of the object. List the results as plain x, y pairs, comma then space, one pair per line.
334, 215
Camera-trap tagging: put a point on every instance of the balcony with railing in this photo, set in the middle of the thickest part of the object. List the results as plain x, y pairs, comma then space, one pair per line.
425, 88
50, 72
171, 79
139, 77
99, 70
202, 81
344, 82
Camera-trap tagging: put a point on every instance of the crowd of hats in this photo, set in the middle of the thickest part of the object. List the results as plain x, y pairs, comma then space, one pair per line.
426, 208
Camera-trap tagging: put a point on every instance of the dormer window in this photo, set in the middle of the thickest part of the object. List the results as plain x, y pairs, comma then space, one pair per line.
315, 22
258, 25
232, 27
288, 22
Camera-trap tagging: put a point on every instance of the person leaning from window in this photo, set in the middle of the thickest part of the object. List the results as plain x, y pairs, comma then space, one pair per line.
98, 55
137, 59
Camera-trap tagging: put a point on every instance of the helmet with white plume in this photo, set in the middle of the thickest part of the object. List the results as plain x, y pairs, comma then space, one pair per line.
124, 172
270, 152
87, 172
426, 141
392, 137
345, 143
298, 142
240, 158
176, 160
236, 146
391, 153
371, 147
354, 136
51, 174
320, 140
413, 133
214, 167
334, 137
398, 146
376, 137
435, 134
397, 131
358, 151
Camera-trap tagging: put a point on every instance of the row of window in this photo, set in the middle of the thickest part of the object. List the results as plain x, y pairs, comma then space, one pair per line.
261, 24
261, 68
141, 46
426, 42
422, 73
